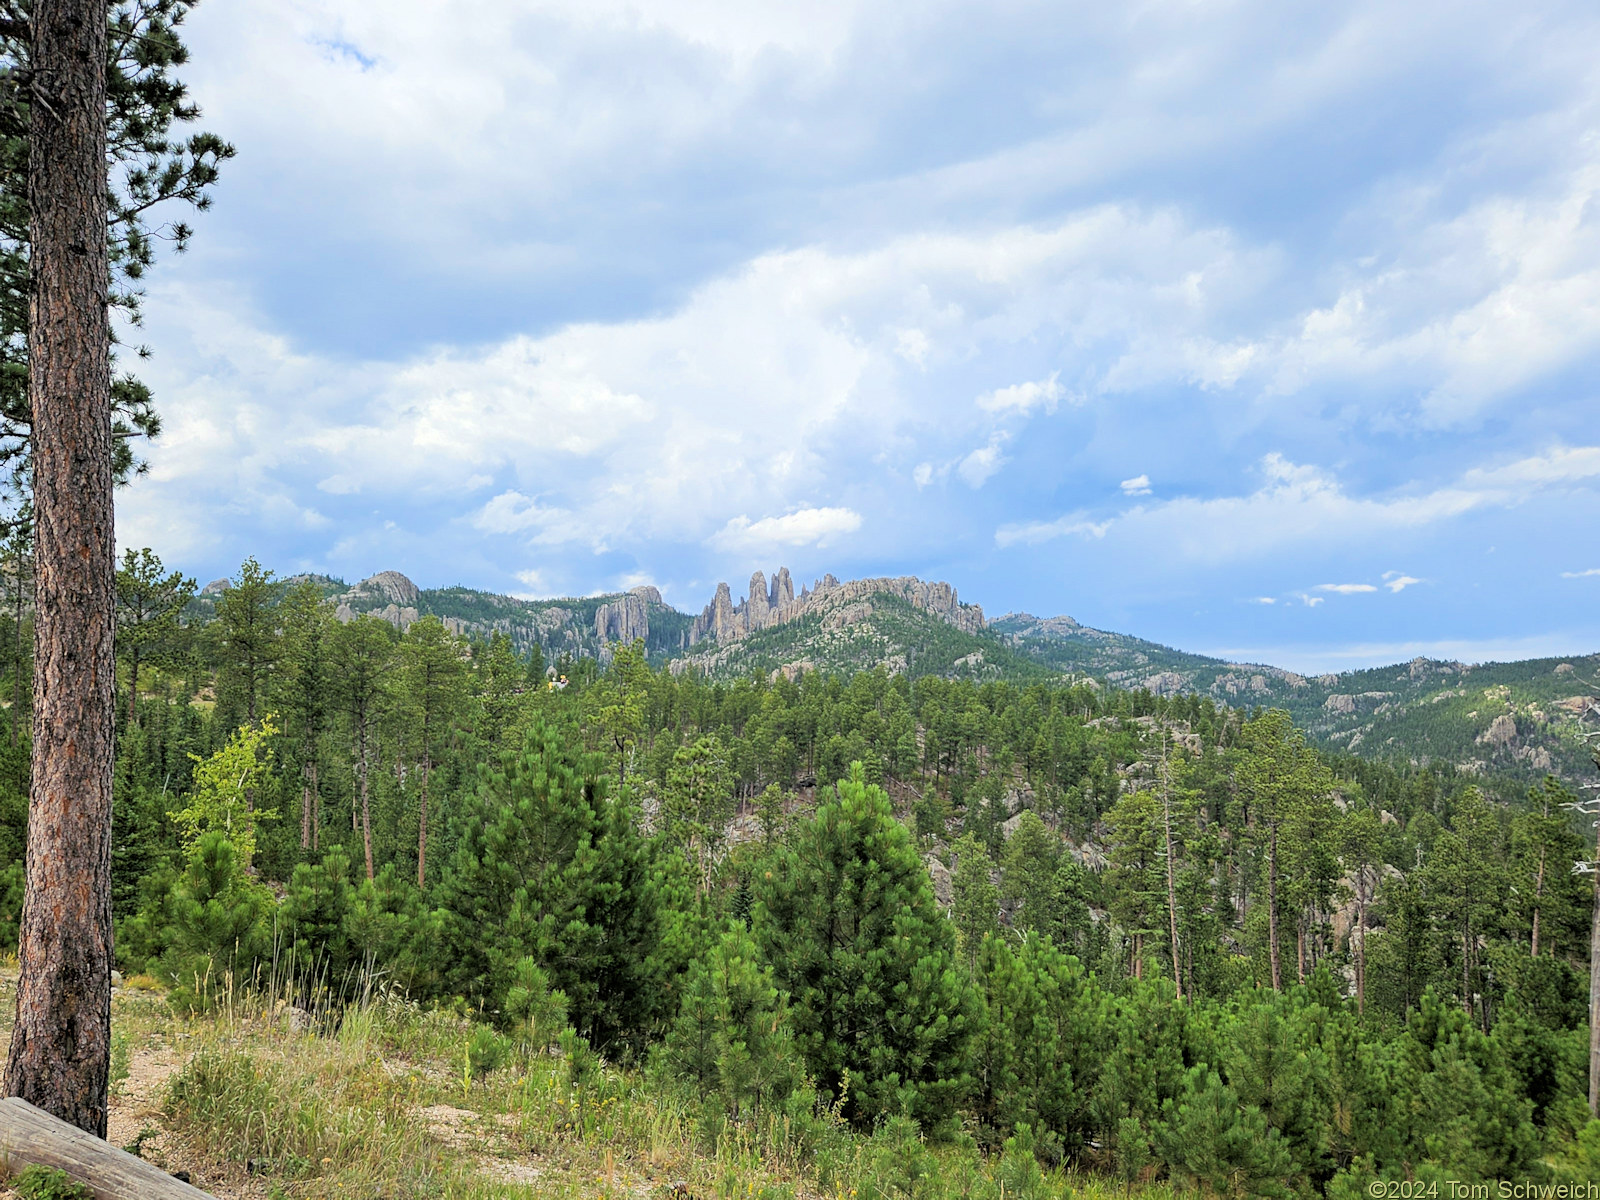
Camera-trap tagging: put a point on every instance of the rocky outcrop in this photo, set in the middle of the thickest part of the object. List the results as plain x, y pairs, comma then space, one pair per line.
1342, 705
1029, 625
216, 587
396, 594
401, 618
1166, 683
766, 606
758, 609
627, 618
720, 620
1502, 731
392, 586
943, 880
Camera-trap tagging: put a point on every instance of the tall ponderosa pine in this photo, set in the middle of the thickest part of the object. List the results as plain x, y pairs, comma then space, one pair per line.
362, 652
149, 604
974, 899
249, 637
696, 802
1466, 880
617, 702
500, 677
1361, 842
1286, 786
847, 917
431, 680
60, 1054
303, 690
1136, 881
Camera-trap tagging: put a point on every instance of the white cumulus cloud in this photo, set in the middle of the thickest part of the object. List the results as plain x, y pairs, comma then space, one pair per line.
1024, 397
804, 527
1299, 504
1031, 533
983, 463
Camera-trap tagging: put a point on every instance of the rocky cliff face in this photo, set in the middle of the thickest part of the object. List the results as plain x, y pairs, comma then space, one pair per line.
397, 595
765, 606
626, 619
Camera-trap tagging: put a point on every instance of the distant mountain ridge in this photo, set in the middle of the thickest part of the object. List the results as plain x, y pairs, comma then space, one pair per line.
1509, 722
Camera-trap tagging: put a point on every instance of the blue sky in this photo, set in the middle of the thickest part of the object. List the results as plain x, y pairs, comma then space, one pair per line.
1262, 329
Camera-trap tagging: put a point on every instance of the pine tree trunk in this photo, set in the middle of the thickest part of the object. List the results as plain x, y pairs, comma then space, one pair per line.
1272, 911
60, 1054
1172, 894
1594, 992
133, 688
422, 829
1361, 941
1538, 898
366, 808
305, 809
16, 675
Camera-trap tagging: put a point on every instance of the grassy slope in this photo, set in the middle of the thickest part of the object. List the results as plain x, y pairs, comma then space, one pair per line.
380, 1104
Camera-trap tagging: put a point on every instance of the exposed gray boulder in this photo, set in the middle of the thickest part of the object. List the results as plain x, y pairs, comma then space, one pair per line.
392, 586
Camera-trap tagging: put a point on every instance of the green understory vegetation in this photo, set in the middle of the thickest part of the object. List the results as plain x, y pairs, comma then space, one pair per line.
908, 937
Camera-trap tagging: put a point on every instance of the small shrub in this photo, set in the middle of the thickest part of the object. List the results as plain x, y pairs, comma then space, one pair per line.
49, 1183
1019, 1165
487, 1051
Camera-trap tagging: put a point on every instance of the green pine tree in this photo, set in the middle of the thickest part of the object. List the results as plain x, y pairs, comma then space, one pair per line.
847, 918
548, 866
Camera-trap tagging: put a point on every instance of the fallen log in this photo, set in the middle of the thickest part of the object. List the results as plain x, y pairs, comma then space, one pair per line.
30, 1135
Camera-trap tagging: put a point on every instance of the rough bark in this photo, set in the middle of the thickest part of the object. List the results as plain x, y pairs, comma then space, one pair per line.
60, 1053
1538, 889
16, 673
1361, 940
1172, 893
422, 829
1594, 989
1272, 910
366, 807
133, 688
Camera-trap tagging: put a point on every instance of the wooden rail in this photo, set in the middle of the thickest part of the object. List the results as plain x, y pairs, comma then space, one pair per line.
29, 1135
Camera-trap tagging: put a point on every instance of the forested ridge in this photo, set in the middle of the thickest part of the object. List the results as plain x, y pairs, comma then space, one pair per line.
1145, 935
1509, 724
